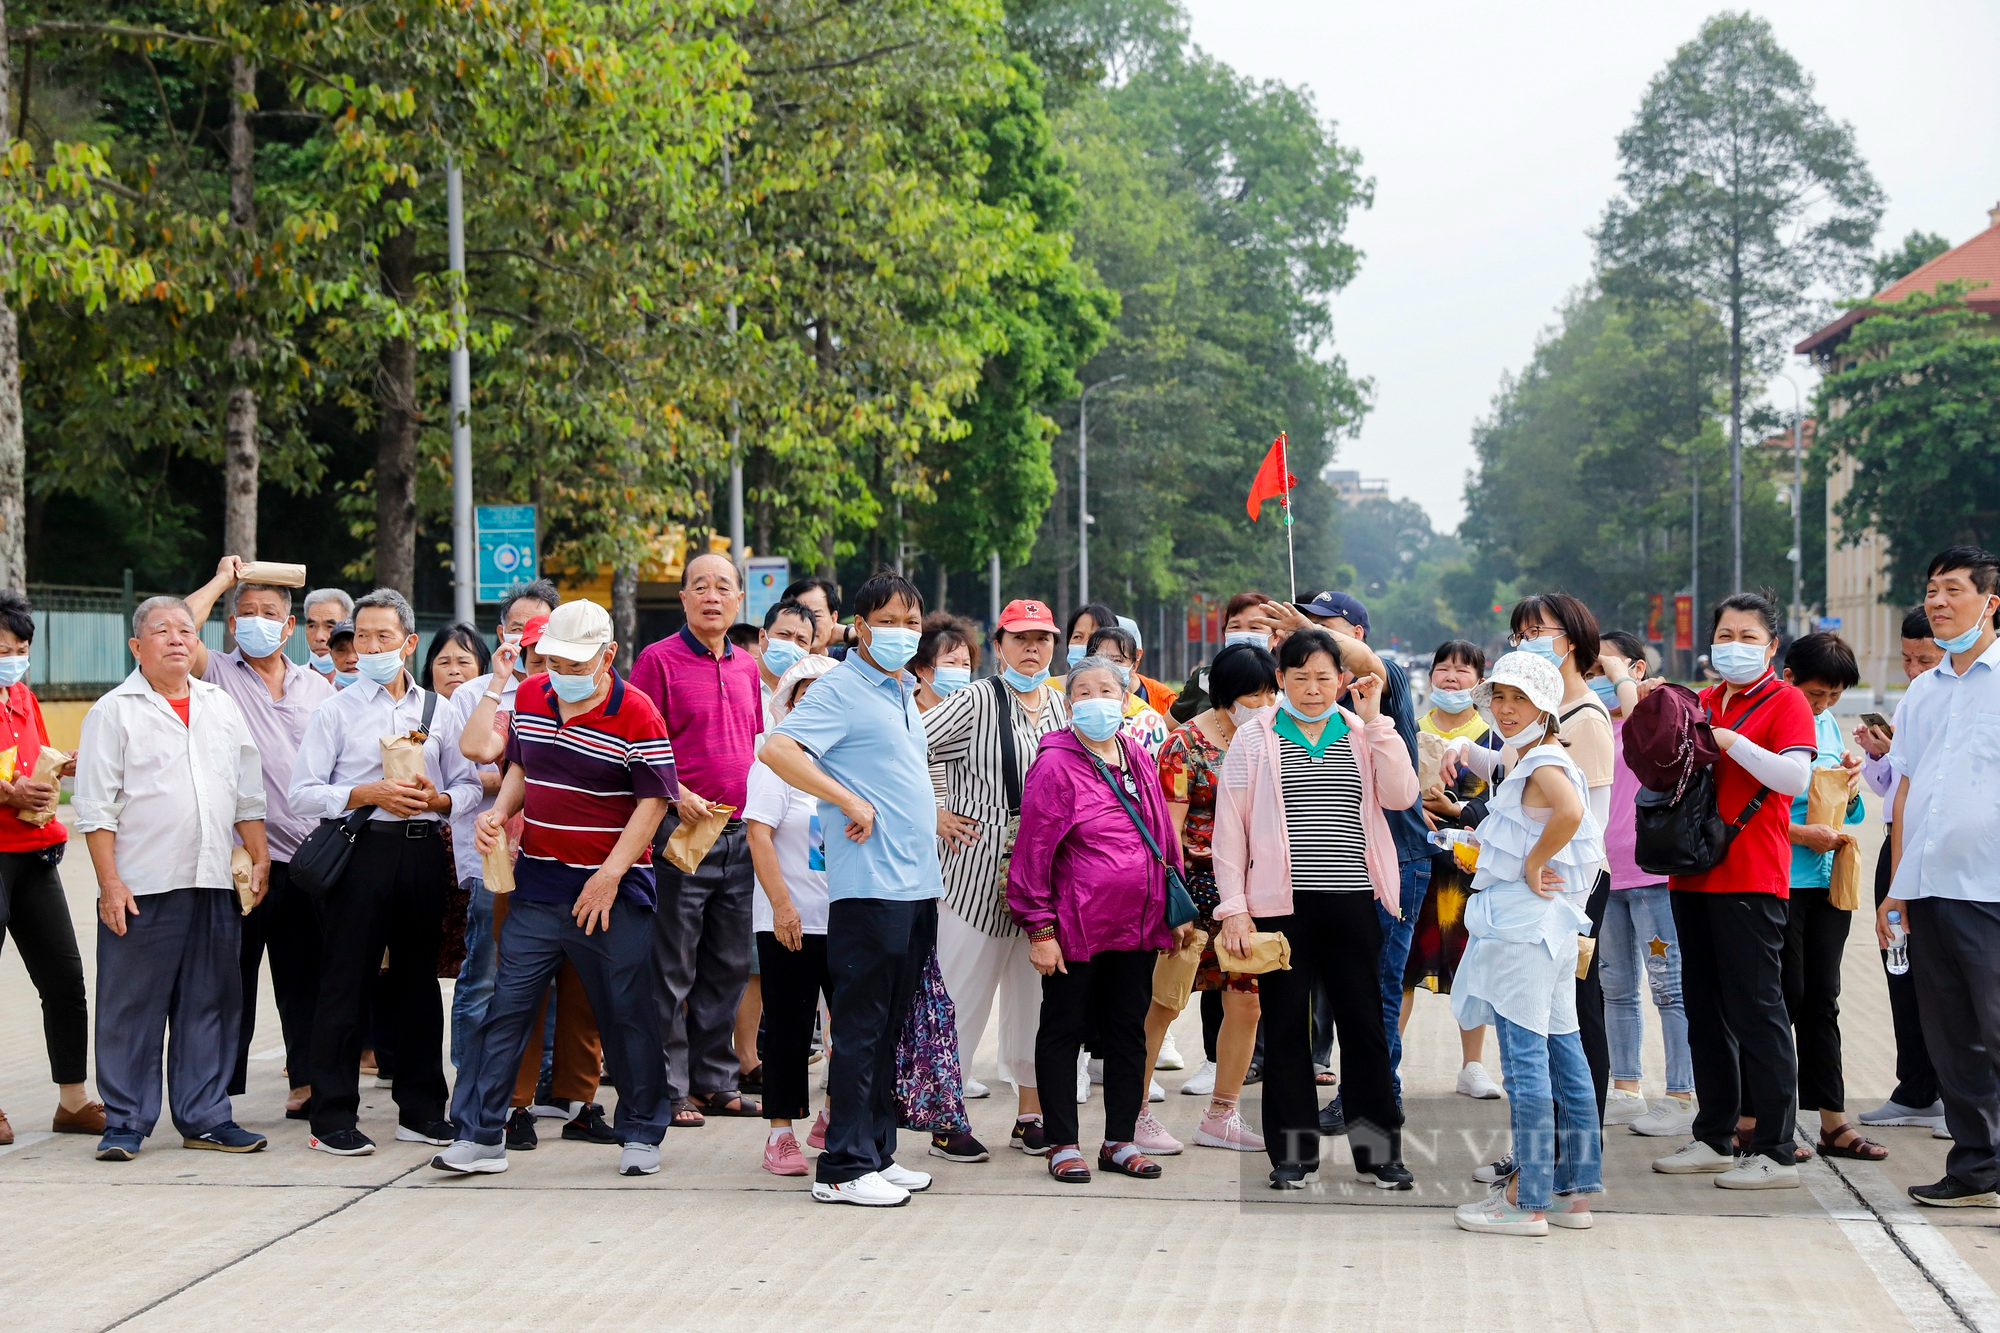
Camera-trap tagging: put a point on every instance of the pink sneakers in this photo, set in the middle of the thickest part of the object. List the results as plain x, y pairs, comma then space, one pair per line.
783, 1158
1227, 1131
817, 1139
1152, 1137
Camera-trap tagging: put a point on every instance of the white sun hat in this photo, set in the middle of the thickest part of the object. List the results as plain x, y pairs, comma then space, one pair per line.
786, 691
1536, 677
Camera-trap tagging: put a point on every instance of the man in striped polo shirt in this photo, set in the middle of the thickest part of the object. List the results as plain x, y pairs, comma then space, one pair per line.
590, 769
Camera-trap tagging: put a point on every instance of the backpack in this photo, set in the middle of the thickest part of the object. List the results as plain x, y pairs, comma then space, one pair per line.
1682, 832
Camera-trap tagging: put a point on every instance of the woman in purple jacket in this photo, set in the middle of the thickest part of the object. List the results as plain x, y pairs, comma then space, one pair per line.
1092, 898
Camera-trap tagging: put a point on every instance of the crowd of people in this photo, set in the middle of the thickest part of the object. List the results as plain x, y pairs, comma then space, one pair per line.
826, 839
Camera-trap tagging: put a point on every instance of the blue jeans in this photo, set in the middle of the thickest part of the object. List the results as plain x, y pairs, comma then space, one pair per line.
474, 989
1396, 937
1638, 934
1530, 1063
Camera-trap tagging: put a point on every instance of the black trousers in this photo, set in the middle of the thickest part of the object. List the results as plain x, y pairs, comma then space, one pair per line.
1590, 999
392, 897
793, 982
1739, 1037
1337, 935
1106, 996
1955, 957
34, 911
875, 951
1815, 938
286, 924
1916, 1079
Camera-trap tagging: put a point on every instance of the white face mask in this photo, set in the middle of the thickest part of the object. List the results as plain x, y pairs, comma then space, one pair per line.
1241, 714
1529, 735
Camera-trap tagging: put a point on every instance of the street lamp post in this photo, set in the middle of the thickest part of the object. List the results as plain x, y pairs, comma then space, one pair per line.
464, 557
1083, 491
1798, 506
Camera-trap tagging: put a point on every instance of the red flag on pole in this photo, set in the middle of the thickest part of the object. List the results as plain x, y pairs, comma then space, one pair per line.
1272, 481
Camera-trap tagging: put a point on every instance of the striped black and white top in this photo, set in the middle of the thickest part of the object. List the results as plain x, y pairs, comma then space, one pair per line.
1323, 817
963, 734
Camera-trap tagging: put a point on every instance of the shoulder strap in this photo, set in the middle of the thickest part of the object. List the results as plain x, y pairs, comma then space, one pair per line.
1131, 811
1010, 757
430, 707
1583, 704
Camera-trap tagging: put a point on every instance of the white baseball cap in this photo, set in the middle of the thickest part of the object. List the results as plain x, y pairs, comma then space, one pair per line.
577, 631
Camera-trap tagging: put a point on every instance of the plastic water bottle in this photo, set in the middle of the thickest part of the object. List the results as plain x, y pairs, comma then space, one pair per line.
1899, 945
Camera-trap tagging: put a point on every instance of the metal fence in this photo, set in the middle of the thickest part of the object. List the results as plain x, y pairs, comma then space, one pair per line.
80, 637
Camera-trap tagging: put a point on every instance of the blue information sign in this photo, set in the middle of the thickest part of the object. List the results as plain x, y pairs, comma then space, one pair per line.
766, 578
507, 553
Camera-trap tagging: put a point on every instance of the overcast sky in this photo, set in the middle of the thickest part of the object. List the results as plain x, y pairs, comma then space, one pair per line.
1490, 133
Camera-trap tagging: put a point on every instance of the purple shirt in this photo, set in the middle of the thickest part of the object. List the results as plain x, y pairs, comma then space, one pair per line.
714, 711
277, 726
1622, 835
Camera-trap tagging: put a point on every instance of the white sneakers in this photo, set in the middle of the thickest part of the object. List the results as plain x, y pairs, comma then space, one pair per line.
916, 1182
1202, 1082
1154, 1092
1473, 1081
1758, 1172
869, 1191
1622, 1107
974, 1090
1170, 1054
1891, 1114
639, 1159
1494, 1216
472, 1159
1694, 1159
1667, 1118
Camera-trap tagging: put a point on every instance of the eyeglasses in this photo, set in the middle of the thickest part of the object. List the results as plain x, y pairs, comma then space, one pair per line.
1539, 632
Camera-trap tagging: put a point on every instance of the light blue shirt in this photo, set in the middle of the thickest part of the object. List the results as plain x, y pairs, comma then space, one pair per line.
863, 728
1947, 748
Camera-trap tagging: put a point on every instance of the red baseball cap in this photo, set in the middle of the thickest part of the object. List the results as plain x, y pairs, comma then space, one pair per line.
531, 633
1023, 614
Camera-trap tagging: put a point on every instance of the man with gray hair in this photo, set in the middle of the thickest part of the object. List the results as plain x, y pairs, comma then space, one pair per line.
277, 696
324, 608
166, 767
392, 893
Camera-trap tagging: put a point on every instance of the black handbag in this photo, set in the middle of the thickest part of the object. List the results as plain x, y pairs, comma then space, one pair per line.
1180, 903
322, 858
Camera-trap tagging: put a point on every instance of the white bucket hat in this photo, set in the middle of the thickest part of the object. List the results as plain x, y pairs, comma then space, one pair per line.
1536, 677
803, 670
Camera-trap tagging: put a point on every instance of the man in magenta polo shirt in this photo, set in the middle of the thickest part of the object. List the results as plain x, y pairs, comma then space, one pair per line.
708, 692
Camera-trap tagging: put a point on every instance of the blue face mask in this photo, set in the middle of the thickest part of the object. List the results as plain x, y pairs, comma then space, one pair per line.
891, 646
1544, 648
1959, 643
381, 667
320, 662
1451, 701
342, 679
1605, 690
1285, 702
573, 689
948, 679
1076, 653
13, 670
1021, 681
258, 637
1738, 663
1097, 719
781, 655
1249, 636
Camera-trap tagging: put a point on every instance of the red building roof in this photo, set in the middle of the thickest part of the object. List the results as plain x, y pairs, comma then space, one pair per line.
1977, 262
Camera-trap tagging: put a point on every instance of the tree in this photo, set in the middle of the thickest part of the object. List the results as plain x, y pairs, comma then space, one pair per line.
1740, 191
1918, 249
1916, 408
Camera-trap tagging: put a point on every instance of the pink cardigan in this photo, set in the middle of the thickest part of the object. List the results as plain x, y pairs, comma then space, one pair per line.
1253, 858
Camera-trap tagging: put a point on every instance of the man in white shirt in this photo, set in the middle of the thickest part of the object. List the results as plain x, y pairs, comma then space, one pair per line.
166, 769
1946, 882
324, 608
392, 893
474, 988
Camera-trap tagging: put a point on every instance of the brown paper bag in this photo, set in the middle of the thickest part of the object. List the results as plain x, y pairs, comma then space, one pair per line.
1586, 949
48, 768
496, 867
1843, 890
1173, 974
241, 872
1270, 951
1828, 797
403, 757
273, 575
1430, 749
690, 842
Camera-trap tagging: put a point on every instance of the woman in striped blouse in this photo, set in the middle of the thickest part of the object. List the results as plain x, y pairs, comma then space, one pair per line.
982, 739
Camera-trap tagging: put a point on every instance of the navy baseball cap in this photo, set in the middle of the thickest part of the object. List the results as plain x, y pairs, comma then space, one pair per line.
1331, 605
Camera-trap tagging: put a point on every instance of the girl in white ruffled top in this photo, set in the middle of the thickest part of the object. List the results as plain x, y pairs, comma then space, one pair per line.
1539, 852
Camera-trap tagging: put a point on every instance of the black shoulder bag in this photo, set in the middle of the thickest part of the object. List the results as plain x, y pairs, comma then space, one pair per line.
1180, 904
1010, 757
322, 858
1685, 834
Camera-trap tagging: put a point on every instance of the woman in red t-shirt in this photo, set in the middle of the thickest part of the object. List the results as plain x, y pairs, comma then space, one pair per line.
1731, 920
32, 907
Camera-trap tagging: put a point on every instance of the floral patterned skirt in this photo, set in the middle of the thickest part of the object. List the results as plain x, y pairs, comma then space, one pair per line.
930, 1091
1439, 940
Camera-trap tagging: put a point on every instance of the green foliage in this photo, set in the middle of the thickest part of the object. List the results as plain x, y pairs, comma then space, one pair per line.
1917, 412
1918, 249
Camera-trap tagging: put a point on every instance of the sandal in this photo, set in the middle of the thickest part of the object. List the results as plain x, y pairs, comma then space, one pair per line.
1066, 1165
733, 1104
687, 1115
1325, 1078
753, 1080
1126, 1160
1858, 1149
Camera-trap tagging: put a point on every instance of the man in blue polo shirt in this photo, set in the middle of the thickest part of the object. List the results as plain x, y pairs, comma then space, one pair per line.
855, 741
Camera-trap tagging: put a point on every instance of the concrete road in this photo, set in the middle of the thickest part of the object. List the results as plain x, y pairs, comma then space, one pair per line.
290, 1238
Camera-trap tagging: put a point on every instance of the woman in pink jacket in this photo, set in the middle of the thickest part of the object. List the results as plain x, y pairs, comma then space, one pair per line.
1302, 848
1090, 893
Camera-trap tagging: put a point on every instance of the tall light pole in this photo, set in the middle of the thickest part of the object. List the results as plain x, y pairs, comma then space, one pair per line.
736, 551
1798, 505
464, 555
1083, 490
